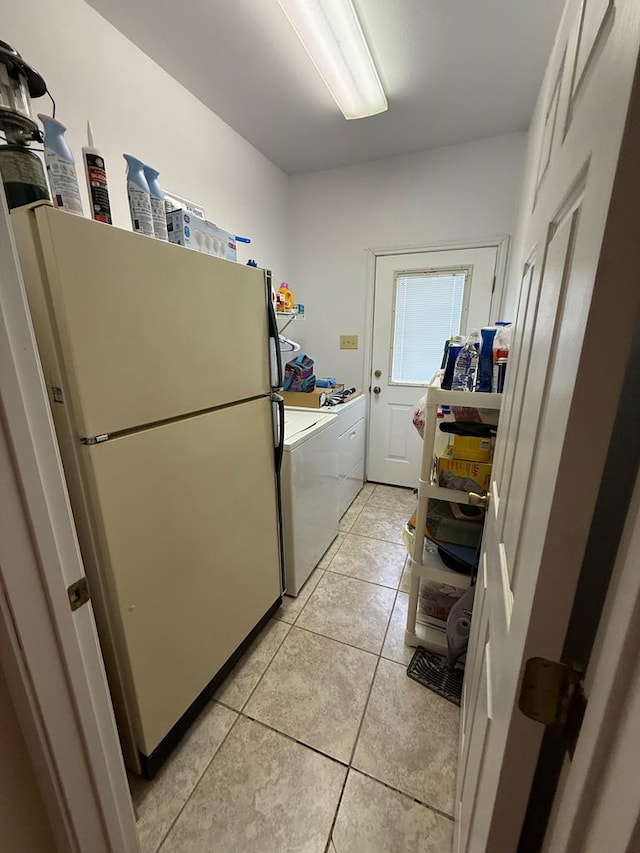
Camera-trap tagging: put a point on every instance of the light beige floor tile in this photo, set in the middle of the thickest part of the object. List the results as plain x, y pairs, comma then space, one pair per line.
331, 552
290, 608
370, 560
347, 520
315, 691
409, 738
367, 490
375, 819
159, 802
394, 499
379, 523
394, 646
263, 793
405, 581
349, 610
239, 683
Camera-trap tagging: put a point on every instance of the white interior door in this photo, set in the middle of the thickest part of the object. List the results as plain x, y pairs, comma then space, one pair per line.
553, 435
420, 300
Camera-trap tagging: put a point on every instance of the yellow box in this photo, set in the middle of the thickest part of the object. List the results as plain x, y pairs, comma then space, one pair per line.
471, 448
479, 472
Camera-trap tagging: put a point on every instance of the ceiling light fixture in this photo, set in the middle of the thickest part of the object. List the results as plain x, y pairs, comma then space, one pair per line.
332, 36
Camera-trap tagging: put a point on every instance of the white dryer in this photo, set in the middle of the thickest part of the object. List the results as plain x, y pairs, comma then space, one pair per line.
309, 492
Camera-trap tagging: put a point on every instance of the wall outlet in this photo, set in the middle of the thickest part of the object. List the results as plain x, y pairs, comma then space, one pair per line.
348, 342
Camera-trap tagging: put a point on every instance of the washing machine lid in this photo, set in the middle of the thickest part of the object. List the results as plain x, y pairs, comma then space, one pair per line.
300, 426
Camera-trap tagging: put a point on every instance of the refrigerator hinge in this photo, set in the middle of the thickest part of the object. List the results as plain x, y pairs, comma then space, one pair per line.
96, 439
78, 593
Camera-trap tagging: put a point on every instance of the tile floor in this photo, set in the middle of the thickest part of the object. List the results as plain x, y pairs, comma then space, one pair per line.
318, 741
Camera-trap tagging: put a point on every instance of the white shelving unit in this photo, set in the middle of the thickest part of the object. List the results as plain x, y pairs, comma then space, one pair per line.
424, 565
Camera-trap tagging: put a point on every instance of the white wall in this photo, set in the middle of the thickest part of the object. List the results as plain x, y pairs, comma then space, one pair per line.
24, 826
455, 193
134, 106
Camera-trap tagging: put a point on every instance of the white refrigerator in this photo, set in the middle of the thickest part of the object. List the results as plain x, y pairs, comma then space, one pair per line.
161, 365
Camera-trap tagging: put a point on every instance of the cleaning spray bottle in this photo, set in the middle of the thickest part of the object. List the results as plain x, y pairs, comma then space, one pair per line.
139, 196
96, 174
61, 167
157, 204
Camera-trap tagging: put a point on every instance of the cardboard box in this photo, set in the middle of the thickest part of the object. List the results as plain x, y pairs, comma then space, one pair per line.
474, 449
188, 230
312, 399
479, 472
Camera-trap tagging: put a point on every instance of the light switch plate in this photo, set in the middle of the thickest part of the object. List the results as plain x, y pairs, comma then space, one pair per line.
348, 342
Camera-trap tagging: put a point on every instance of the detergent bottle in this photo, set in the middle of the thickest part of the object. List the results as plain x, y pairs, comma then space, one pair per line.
286, 297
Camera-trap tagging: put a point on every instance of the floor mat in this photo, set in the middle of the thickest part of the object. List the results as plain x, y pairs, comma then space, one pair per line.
433, 671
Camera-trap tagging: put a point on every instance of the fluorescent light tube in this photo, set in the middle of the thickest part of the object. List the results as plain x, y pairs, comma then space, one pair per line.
332, 36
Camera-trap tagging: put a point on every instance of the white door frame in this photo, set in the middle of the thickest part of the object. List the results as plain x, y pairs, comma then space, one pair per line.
501, 244
51, 656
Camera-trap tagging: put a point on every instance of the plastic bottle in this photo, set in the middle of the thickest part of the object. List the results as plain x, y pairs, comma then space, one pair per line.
96, 175
455, 345
139, 196
157, 204
485, 359
501, 347
466, 366
61, 167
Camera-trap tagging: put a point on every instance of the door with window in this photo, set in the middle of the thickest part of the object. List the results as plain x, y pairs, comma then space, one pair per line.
421, 299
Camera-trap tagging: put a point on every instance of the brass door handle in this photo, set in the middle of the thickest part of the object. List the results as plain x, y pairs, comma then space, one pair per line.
479, 500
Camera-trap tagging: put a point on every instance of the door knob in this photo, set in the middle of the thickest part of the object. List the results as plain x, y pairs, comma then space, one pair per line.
377, 373
478, 500
376, 389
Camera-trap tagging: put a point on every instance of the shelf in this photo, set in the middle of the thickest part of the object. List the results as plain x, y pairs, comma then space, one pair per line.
473, 399
429, 636
433, 569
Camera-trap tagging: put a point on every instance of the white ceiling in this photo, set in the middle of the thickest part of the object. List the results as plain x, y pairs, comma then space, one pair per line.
453, 71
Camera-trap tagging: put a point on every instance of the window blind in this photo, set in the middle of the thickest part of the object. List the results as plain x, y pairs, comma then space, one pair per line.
428, 309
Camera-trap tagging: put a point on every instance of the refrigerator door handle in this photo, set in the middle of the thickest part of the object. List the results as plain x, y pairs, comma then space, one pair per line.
278, 423
277, 377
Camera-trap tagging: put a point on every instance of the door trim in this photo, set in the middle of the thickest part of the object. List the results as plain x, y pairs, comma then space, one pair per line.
500, 244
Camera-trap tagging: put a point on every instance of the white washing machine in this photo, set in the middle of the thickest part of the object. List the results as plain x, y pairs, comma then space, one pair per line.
309, 492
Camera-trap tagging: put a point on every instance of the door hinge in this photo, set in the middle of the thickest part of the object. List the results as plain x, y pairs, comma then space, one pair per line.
552, 694
78, 593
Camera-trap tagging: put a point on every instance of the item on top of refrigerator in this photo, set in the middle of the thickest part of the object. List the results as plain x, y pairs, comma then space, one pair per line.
240, 239
61, 167
327, 382
156, 197
305, 399
455, 345
96, 175
21, 169
252, 263
188, 230
339, 397
139, 196
485, 359
466, 366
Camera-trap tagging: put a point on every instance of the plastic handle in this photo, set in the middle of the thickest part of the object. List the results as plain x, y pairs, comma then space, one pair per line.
279, 448
274, 337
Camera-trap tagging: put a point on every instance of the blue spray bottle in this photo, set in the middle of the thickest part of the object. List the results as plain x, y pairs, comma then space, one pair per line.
139, 196
157, 204
61, 167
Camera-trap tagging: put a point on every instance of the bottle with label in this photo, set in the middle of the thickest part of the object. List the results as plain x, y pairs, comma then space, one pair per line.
501, 347
61, 167
466, 366
96, 174
455, 345
485, 359
139, 196
158, 211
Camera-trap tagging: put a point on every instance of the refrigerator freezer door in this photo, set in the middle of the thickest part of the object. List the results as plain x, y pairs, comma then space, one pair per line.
147, 330
187, 530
